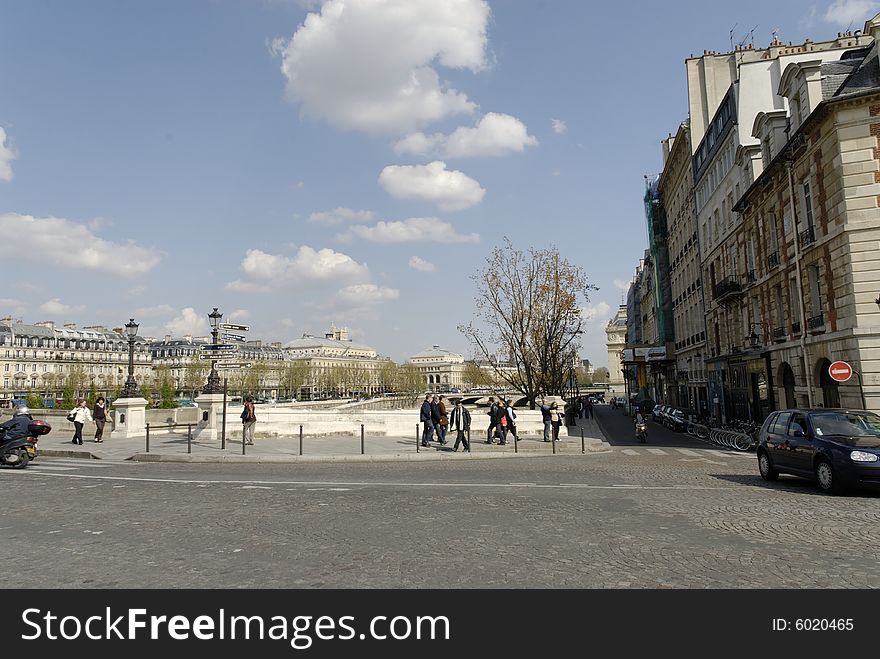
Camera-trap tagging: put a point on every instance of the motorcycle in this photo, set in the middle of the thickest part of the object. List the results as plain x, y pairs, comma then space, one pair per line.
17, 453
642, 432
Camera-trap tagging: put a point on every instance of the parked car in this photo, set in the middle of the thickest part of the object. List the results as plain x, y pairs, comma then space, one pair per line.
837, 448
676, 420
658, 414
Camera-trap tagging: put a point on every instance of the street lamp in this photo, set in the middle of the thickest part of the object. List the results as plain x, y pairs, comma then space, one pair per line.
213, 386
754, 339
130, 390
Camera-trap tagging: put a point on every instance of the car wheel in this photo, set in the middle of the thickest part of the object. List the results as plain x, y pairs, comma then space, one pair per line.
23, 460
826, 478
768, 473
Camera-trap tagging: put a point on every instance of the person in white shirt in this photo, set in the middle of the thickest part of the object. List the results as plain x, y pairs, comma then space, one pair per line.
81, 415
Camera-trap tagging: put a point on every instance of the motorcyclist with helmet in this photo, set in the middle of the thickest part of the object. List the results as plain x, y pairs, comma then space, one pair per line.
17, 426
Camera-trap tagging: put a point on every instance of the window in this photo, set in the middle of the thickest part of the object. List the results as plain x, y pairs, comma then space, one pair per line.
6, 367
780, 309
798, 424
815, 290
808, 204
795, 302
781, 423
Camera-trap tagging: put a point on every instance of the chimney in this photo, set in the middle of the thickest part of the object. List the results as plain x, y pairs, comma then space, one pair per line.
48, 324
70, 326
167, 338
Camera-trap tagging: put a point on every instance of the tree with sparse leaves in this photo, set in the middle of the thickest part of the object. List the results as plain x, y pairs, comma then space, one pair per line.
528, 309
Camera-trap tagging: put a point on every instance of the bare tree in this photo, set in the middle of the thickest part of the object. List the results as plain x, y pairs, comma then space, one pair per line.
528, 310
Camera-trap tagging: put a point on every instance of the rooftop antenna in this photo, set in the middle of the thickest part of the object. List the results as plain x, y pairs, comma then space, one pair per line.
775, 33
731, 35
749, 36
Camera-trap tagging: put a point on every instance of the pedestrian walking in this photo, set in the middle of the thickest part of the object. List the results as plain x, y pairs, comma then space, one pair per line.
425, 417
100, 416
589, 409
580, 408
444, 420
80, 415
555, 420
502, 421
435, 416
511, 420
493, 419
460, 421
248, 421
545, 417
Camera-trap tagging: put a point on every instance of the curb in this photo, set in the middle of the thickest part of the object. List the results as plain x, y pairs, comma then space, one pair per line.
66, 453
317, 459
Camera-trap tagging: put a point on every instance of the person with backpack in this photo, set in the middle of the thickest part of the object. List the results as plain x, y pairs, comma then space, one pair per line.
503, 422
248, 420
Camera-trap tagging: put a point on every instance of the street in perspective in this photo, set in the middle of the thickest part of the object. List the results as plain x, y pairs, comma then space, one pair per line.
440, 294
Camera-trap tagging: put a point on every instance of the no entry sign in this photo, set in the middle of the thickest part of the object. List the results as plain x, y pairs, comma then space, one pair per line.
840, 371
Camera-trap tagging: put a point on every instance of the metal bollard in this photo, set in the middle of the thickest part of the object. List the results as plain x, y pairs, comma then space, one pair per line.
148, 438
300, 440
243, 443
516, 443
189, 438
553, 437
362, 439
417, 438
583, 445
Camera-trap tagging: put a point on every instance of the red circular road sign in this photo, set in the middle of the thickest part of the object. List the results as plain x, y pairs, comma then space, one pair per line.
840, 371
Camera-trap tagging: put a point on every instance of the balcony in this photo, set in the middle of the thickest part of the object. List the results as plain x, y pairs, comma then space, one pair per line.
728, 289
773, 260
808, 236
816, 323
795, 328
752, 276
779, 334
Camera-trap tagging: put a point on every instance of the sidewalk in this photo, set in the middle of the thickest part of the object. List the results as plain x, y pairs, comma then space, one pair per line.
173, 448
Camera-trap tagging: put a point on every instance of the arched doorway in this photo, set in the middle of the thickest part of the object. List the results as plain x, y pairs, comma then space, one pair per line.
786, 377
830, 388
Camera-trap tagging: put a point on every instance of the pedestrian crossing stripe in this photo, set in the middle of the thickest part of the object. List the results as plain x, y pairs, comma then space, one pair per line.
656, 451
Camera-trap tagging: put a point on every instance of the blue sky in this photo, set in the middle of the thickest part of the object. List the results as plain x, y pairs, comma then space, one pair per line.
295, 162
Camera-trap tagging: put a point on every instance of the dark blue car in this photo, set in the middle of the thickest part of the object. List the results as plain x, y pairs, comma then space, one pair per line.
839, 449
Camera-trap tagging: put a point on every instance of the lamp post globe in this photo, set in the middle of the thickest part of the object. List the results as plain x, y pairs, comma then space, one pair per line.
213, 386
130, 390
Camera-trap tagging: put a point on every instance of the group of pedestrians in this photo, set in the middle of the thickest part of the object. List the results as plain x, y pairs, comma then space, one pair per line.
81, 414
502, 420
584, 407
433, 414
552, 420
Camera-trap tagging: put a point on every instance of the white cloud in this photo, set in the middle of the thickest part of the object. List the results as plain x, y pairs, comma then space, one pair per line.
451, 190
68, 244
340, 216
559, 126
494, 135
369, 64
415, 229
7, 155
137, 290
56, 307
420, 264
622, 285
239, 314
11, 306
851, 12
595, 314
266, 271
367, 294
154, 312
188, 323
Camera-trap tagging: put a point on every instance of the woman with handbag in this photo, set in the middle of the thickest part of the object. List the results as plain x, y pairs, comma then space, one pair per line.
555, 420
100, 417
79, 415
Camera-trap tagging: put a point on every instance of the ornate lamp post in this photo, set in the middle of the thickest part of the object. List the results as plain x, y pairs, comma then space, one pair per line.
214, 385
754, 339
130, 390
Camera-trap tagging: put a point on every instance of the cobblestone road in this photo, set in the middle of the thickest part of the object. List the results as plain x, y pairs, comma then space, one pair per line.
632, 517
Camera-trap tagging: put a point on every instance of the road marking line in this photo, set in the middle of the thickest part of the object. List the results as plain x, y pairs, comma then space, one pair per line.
656, 451
179, 481
42, 467
629, 451
687, 451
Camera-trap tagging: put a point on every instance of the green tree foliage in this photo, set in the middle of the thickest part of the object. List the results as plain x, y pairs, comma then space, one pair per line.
34, 401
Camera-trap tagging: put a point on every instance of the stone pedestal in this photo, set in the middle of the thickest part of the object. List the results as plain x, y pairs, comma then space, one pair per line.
210, 416
130, 418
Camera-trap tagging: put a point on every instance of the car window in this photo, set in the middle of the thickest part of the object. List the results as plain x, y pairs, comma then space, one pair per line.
797, 423
781, 423
768, 423
848, 424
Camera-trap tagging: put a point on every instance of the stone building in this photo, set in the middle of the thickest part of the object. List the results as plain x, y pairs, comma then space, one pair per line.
42, 359
812, 220
443, 370
676, 187
615, 333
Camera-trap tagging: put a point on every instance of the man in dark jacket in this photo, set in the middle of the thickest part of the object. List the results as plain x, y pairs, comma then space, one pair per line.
460, 421
545, 417
425, 417
443, 423
435, 417
494, 417
17, 426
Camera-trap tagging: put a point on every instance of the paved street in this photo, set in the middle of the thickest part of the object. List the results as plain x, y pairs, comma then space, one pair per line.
619, 431
655, 516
